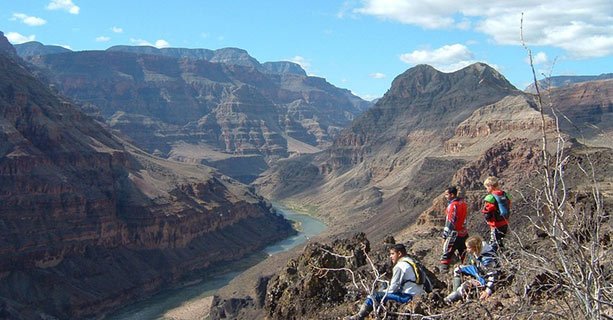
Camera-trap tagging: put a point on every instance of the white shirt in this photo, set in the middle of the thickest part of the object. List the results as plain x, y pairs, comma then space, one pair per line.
403, 272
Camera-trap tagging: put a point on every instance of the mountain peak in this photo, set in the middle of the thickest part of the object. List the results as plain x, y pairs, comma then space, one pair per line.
484, 70
283, 67
35, 48
425, 79
5, 46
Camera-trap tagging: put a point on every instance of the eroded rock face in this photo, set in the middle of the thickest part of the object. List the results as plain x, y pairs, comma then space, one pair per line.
89, 223
585, 110
223, 99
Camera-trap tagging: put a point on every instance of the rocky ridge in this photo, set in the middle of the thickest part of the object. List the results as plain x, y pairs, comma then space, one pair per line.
222, 100
561, 81
89, 222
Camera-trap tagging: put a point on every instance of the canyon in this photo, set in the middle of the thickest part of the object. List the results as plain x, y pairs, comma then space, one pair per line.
89, 222
120, 168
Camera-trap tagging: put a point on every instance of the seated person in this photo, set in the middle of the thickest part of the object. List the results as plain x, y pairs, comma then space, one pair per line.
481, 268
402, 287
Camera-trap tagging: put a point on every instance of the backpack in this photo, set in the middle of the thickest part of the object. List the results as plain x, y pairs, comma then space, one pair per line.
503, 205
421, 277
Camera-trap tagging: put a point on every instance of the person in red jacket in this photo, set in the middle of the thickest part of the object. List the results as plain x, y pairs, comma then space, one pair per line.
455, 232
496, 212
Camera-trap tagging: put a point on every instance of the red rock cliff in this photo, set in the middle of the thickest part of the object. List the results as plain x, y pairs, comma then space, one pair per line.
88, 222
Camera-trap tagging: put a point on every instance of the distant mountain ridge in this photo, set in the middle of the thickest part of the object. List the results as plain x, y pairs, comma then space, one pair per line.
225, 55
560, 81
34, 48
223, 103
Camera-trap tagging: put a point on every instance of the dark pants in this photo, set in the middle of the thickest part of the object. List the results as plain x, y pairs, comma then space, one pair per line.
497, 235
453, 243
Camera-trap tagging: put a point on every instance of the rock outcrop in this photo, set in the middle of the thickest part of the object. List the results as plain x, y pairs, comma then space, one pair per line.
89, 223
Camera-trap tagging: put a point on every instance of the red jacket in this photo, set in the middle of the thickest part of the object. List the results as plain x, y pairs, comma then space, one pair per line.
490, 210
456, 217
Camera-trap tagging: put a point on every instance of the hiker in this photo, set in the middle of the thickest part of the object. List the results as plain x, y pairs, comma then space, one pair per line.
455, 232
496, 212
481, 267
403, 286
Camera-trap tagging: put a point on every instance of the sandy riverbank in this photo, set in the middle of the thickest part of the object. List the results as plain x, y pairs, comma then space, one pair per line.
196, 309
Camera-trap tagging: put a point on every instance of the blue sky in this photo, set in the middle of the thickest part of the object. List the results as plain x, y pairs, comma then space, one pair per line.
354, 44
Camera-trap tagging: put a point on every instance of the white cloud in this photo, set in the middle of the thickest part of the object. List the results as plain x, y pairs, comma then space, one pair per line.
103, 39
117, 29
65, 5
447, 58
29, 20
427, 14
539, 58
346, 10
158, 43
16, 38
377, 75
161, 43
304, 63
583, 28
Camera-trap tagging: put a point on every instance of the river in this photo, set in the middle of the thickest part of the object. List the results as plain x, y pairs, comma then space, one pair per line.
207, 283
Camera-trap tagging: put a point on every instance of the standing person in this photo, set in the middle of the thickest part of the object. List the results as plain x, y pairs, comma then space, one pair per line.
455, 232
482, 268
403, 286
496, 212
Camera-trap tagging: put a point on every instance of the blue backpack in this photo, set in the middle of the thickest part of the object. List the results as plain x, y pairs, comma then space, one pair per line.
503, 205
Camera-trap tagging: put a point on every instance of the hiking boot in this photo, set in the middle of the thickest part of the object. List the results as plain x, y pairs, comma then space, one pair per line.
452, 297
362, 314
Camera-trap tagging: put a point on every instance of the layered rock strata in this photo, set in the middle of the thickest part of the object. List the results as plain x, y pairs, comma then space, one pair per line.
224, 99
89, 223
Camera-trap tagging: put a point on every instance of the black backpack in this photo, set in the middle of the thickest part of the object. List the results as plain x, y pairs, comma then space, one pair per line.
421, 277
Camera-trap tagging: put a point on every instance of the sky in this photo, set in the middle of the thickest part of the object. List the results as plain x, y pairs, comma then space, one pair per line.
360, 45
